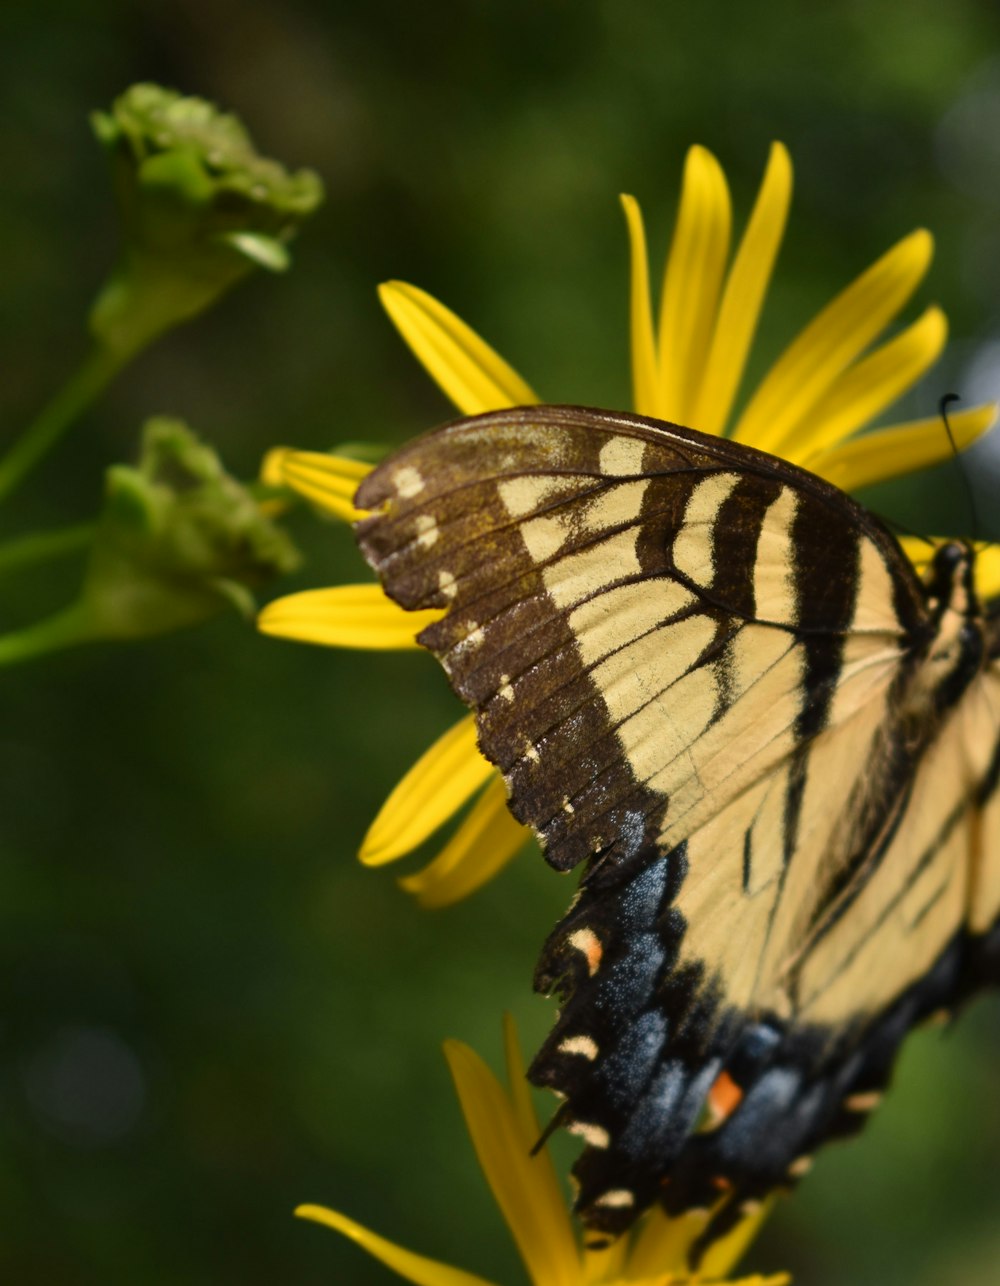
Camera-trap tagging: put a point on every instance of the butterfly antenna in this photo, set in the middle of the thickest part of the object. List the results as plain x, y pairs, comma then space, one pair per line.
970, 493
901, 529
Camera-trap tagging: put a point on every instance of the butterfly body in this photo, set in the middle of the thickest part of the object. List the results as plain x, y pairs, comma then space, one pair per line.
716, 681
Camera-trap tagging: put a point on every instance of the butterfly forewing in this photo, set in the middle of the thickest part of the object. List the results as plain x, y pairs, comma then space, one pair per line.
688, 661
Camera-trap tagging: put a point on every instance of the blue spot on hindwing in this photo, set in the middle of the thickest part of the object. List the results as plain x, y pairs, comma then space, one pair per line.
626, 1071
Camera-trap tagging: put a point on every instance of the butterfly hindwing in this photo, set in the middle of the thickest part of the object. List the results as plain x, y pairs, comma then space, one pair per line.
694, 666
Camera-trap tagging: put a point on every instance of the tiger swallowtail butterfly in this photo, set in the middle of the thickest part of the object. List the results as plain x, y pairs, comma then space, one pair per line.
717, 682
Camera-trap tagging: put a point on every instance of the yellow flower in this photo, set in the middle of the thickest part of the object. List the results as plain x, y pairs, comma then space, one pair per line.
687, 366
504, 1129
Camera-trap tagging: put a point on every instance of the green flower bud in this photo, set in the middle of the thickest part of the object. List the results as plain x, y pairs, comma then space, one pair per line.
200, 210
178, 541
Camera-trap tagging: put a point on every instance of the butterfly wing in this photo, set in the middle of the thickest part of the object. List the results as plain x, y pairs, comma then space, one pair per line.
683, 655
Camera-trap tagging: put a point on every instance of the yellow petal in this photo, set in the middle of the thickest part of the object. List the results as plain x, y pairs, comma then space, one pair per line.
359, 616
602, 1266
516, 1179
415, 1268
437, 785
919, 550
844, 329
485, 841
723, 1254
867, 387
272, 472
519, 1090
988, 573
329, 481
645, 377
662, 1243
466, 368
692, 282
659, 1279
893, 452
272, 469
743, 296
548, 1193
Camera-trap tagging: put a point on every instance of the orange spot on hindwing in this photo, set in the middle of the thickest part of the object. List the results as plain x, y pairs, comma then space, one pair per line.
723, 1099
588, 943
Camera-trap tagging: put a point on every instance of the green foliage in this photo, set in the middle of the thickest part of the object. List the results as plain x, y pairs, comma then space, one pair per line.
199, 207
178, 540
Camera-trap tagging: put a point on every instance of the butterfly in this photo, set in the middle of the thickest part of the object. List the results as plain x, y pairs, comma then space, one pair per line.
717, 682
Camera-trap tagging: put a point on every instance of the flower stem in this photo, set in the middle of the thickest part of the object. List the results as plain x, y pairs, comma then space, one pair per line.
97, 370
40, 546
67, 628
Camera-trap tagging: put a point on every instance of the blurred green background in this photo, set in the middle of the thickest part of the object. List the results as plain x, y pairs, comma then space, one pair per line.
208, 1011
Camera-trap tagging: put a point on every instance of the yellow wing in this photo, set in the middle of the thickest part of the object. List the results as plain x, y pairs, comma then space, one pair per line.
716, 680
